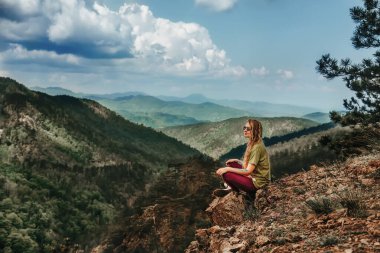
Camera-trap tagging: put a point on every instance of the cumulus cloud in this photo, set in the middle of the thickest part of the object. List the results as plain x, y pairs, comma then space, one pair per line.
74, 29
285, 74
18, 9
217, 5
16, 53
262, 71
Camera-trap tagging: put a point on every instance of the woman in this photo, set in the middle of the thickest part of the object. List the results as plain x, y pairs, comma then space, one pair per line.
254, 172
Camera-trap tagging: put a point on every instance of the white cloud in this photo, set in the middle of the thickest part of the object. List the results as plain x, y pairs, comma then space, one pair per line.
285, 74
64, 28
237, 72
217, 5
24, 8
262, 71
17, 53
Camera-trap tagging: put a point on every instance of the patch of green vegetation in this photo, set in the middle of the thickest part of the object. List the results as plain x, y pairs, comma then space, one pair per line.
3, 153
251, 213
299, 190
321, 205
82, 157
354, 204
37, 213
329, 240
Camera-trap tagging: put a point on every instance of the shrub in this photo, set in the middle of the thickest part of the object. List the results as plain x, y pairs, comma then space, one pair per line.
251, 213
328, 240
321, 205
352, 201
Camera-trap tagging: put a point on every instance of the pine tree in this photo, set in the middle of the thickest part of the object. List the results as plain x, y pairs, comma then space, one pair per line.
363, 78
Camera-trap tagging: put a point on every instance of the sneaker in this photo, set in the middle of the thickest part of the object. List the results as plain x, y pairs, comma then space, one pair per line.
221, 192
227, 186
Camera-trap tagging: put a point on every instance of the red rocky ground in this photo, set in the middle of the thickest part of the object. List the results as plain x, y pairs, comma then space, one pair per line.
283, 222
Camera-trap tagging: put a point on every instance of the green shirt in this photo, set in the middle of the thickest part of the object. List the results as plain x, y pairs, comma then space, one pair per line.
259, 157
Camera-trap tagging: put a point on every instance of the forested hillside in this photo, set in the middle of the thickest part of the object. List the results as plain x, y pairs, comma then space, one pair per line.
217, 138
68, 167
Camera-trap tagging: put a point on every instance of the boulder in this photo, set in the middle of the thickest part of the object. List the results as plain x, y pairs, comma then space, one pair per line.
227, 211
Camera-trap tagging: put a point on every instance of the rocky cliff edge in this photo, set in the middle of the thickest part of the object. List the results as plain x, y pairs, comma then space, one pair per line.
332, 208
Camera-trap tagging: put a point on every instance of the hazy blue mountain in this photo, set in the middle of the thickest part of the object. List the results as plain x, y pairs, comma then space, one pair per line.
254, 108
266, 109
54, 91
320, 117
149, 105
257, 108
193, 99
158, 119
114, 95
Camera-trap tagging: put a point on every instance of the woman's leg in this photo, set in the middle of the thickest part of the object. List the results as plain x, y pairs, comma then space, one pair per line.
239, 182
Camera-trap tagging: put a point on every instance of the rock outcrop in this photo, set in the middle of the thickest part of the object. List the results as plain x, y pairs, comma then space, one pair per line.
332, 208
173, 210
227, 211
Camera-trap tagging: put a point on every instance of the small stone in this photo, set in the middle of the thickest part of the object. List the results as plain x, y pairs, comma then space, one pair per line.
193, 247
373, 231
237, 247
261, 240
338, 213
296, 245
348, 251
214, 229
201, 233
368, 181
234, 240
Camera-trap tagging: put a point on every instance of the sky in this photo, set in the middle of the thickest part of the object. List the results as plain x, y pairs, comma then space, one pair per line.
255, 50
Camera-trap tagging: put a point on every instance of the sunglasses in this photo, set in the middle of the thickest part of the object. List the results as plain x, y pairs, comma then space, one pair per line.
246, 128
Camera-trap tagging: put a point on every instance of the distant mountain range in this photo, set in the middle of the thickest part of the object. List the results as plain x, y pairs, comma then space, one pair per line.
257, 108
164, 111
152, 106
154, 112
318, 117
54, 91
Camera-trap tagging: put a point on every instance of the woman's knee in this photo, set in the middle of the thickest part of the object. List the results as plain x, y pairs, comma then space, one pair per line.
227, 176
230, 177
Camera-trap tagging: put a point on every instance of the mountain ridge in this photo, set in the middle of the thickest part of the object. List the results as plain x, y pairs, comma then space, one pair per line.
217, 138
257, 109
75, 165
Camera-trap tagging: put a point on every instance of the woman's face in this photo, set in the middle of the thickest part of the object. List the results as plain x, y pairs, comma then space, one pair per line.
247, 130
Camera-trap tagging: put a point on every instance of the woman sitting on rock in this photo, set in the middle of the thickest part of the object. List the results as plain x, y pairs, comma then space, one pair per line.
253, 172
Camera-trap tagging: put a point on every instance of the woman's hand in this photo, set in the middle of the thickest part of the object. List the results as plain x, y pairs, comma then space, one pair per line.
221, 171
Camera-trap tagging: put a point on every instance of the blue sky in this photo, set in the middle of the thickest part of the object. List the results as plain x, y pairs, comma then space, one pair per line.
257, 50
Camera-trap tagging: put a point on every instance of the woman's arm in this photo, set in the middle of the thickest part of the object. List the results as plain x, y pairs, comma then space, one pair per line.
244, 172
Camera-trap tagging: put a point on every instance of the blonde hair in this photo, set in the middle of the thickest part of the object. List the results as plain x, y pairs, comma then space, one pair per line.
256, 136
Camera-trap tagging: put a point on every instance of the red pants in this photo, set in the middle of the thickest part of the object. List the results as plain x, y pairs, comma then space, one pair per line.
239, 182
